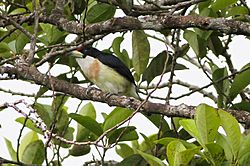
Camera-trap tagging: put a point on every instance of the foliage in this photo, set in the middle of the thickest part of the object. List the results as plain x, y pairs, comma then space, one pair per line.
212, 137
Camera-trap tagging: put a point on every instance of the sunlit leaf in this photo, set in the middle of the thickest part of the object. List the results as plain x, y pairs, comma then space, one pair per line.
207, 122
232, 129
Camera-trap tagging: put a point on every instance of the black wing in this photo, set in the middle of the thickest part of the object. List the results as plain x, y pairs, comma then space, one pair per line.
116, 64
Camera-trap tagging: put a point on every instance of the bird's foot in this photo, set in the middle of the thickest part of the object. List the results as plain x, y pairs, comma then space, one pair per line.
108, 95
89, 88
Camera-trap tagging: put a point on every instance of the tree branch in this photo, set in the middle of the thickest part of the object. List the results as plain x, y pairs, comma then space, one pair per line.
157, 23
32, 74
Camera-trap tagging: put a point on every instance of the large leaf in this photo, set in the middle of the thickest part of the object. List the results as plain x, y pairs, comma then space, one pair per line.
124, 150
241, 81
196, 42
27, 139
100, 12
34, 153
190, 126
116, 116
88, 123
156, 66
152, 160
207, 122
141, 51
232, 129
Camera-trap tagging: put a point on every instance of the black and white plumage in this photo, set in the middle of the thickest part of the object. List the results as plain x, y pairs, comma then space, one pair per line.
106, 71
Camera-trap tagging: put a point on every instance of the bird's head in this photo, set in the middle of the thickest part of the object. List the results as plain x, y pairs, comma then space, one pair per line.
82, 52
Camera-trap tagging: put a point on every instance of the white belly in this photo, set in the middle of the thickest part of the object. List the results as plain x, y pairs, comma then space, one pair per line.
107, 79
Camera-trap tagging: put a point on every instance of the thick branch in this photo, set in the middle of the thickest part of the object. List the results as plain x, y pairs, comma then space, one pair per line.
227, 26
32, 74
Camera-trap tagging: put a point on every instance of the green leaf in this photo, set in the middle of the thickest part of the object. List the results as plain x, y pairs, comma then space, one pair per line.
236, 11
190, 126
158, 121
152, 160
88, 123
241, 81
116, 116
41, 91
52, 34
215, 45
34, 153
67, 134
123, 56
243, 105
223, 141
124, 134
222, 87
124, 150
207, 122
244, 153
222, 4
20, 43
148, 142
27, 139
100, 12
196, 42
45, 113
125, 5
232, 129
216, 152
156, 66
141, 51
165, 141
178, 154
133, 160
10, 148
29, 124
82, 132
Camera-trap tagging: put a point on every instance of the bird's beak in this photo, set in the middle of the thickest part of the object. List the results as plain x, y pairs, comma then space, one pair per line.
76, 54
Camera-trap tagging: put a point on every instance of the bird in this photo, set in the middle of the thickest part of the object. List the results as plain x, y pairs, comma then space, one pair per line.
106, 71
